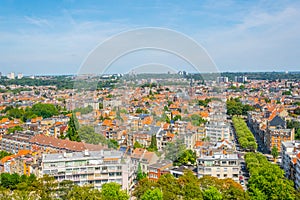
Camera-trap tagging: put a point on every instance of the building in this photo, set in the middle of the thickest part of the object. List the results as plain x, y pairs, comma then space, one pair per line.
217, 131
144, 158
156, 170
219, 165
11, 75
20, 76
222, 79
89, 167
275, 137
240, 79
297, 175
290, 154
29, 141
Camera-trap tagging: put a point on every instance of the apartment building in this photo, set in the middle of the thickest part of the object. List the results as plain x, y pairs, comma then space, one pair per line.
217, 131
290, 153
156, 170
89, 167
275, 136
219, 165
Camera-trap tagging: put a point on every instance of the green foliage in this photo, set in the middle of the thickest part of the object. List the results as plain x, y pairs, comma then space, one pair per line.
13, 187
155, 194
294, 124
139, 111
153, 144
274, 152
4, 153
14, 129
188, 186
73, 126
245, 137
187, 157
174, 150
88, 135
137, 145
267, 180
112, 191
287, 92
197, 120
204, 102
84, 110
212, 194
140, 174
44, 110
169, 186
112, 144
235, 107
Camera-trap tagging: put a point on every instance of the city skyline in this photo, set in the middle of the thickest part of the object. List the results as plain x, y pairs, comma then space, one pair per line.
55, 37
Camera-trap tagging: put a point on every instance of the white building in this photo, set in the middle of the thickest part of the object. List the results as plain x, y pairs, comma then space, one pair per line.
217, 131
219, 165
290, 153
11, 75
20, 76
89, 167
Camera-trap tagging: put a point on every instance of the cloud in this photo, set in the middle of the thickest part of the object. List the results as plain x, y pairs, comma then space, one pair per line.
37, 21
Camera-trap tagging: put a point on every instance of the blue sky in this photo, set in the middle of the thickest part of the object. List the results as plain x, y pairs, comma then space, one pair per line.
54, 37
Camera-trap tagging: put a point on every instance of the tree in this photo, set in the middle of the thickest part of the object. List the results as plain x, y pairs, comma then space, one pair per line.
140, 174
189, 185
169, 186
137, 145
4, 153
112, 191
187, 157
142, 186
83, 192
174, 149
153, 144
44, 110
73, 127
14, 129
212, 194
155, 194
274, 152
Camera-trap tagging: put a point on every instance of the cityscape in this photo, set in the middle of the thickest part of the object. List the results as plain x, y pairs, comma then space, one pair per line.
149, 113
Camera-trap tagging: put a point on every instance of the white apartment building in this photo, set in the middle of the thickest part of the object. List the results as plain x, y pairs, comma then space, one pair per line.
290, 153
89, 167
219, 165
217, 131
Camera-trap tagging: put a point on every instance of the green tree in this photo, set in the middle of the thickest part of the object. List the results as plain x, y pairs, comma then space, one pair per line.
112, 191
189, 185
73, 126
140, 174
274, 152
153, 144
137, 145
155, 194
4, 153
212, 194
44, 110
14, 129
174, 150
142, 186
169, 186
187, 157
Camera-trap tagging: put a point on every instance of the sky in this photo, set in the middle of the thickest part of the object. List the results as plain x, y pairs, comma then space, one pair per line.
55, 37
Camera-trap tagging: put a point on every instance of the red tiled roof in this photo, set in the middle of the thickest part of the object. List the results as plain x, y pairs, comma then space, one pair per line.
63, 144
